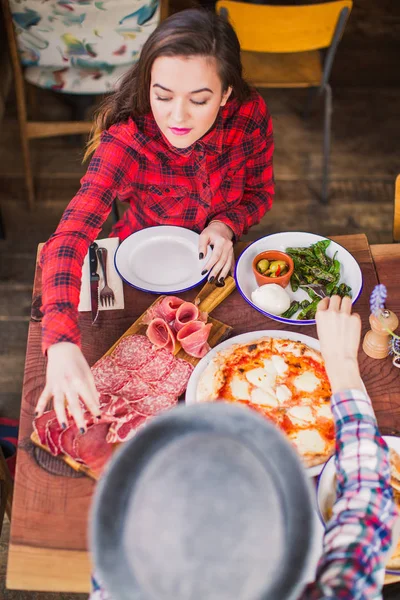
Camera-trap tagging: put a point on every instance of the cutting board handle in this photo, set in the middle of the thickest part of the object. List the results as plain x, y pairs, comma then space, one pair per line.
210, 296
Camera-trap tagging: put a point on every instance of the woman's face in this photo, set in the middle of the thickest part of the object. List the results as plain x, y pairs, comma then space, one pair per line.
185, 96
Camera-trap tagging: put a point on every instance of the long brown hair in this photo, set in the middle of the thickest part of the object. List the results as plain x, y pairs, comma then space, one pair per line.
191, 32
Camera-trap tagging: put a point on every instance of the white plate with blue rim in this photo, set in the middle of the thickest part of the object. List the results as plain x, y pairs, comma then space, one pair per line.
248, 338
326, 496
350, 272
161, 260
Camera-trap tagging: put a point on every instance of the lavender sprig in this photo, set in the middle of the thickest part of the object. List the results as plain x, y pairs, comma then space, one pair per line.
378, 299
394, 346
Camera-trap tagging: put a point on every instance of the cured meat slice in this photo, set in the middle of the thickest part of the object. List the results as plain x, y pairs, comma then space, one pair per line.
160, 334
152, 405
186, 313
193, 338
132, 352
39, 425
176, 381
157, 368
119, 407
67, 439
136, 388
92, 449
53, 432
166, 309
105, 399
124, 431
108, 376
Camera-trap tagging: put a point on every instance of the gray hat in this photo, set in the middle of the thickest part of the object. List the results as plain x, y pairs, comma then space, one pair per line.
207, 502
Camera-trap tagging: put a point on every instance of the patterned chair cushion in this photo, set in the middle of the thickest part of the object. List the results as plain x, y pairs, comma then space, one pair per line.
81, 46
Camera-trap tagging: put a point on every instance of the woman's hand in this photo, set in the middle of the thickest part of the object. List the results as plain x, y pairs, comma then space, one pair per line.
222, 261
68, 379
339, 334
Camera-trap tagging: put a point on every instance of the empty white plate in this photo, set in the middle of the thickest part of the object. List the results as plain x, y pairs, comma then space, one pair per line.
161, 260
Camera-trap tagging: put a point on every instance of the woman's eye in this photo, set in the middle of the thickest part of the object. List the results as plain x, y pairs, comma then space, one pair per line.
199, 103
163, 99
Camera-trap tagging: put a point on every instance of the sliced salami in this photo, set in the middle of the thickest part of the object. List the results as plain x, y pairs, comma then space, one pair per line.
92, 449
135, 388
152, 405
158, 367
133, 351
39, 425
108, 376
176, 381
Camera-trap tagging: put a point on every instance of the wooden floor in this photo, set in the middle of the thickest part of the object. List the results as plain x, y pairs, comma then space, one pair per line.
365, 162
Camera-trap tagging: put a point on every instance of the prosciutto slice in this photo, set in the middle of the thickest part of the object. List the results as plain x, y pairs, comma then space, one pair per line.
166, 309
160, 334
193, 338
186, 313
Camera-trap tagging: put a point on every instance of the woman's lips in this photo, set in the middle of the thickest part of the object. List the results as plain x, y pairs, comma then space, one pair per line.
180, 131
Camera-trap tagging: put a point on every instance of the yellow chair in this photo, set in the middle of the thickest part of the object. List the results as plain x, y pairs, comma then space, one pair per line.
281, 49
396, 220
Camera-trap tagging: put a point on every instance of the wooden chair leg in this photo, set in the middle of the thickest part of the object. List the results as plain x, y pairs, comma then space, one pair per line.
21, 101
327, 143
30, 186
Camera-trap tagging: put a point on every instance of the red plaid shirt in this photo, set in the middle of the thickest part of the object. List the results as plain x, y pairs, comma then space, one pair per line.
226, 176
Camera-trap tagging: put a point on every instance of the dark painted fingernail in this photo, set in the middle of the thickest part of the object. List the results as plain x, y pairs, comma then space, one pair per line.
211, 279
219, 284
222, 280
212, 246
64, 425
82, 430
98, 417
204, 272
36, 413
201, 255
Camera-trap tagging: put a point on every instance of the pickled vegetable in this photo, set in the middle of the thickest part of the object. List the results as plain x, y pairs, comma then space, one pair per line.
275, 268
262, 265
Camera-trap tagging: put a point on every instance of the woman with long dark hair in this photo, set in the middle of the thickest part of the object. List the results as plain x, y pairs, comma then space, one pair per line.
184, 141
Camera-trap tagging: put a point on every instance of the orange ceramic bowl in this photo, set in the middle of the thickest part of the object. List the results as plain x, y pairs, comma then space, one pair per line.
270, 255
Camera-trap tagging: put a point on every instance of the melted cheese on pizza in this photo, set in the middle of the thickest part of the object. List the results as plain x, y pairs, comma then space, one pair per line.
309, 441
286, 382
306, 382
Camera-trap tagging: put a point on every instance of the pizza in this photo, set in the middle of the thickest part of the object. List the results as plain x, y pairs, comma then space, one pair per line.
283, 380
394, 457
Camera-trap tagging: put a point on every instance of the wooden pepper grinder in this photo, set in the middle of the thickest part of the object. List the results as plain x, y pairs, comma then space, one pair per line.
376, 341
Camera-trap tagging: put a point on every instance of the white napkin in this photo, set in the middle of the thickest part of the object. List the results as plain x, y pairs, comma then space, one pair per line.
114, 280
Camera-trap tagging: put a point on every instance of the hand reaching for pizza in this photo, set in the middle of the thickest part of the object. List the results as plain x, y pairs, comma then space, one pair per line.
339, 333
68, 379
222, 261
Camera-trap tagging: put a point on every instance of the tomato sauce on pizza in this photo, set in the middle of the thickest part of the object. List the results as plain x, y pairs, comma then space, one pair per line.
283, 380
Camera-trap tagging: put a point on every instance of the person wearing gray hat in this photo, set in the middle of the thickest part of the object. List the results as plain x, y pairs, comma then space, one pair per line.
211, 502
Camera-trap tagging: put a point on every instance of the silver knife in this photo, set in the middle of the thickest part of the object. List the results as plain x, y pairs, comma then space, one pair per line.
94, 281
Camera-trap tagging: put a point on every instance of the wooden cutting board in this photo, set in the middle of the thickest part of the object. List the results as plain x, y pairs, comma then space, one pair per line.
207, 300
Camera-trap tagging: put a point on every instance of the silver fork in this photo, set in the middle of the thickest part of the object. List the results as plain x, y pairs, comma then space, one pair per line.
107, 297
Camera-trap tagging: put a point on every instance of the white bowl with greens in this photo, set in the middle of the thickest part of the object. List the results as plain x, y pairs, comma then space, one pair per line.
317, 260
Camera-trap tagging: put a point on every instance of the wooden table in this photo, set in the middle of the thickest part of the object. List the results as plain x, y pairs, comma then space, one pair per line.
48, 544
